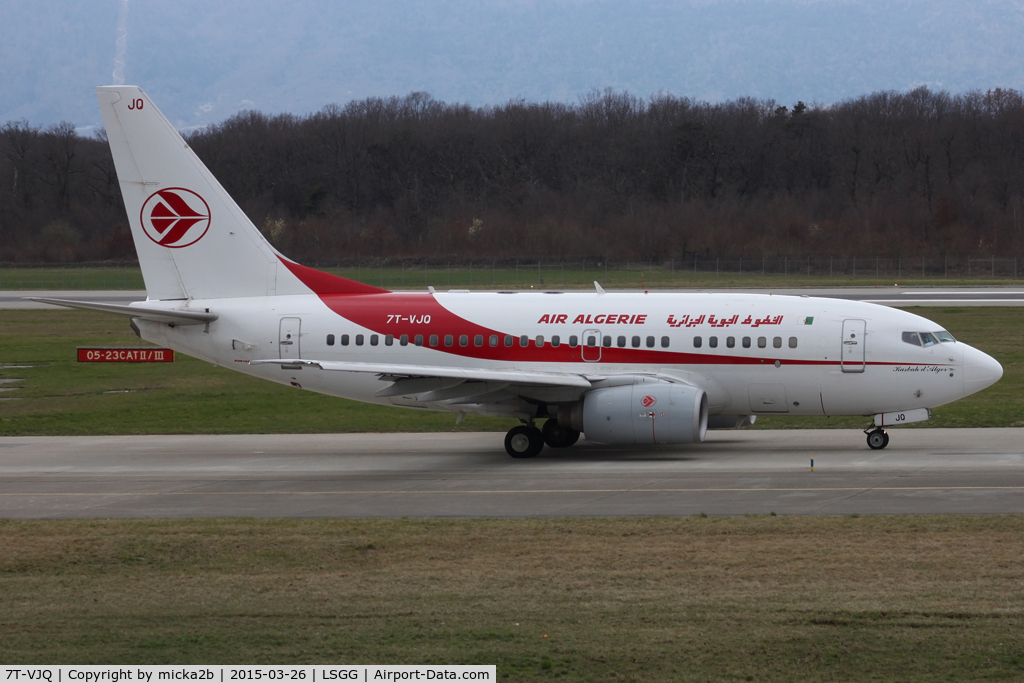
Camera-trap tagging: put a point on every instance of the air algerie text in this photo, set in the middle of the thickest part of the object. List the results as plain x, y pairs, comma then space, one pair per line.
600, 319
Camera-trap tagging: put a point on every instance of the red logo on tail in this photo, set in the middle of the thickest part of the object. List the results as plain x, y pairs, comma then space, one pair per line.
175, 217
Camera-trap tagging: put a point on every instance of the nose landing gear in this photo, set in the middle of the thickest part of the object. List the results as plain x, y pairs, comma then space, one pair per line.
878, 438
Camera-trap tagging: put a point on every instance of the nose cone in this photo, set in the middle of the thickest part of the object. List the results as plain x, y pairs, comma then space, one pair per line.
980, 370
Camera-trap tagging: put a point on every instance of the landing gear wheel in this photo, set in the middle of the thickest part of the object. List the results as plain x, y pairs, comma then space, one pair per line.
878, 439
524, 442
557, 436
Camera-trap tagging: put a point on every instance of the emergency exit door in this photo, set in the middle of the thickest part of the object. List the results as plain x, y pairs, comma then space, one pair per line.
288, 342
590, 346
853, 351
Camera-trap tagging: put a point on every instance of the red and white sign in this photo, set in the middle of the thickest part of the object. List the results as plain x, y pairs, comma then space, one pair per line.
107, 355
175, 217
648, 401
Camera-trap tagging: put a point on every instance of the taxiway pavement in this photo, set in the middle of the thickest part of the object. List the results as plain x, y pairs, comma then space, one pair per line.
469, 475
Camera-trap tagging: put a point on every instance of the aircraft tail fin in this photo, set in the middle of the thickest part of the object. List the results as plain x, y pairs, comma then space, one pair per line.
192, 239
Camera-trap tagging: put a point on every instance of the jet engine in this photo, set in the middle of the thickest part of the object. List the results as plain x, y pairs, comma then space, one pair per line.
642, 413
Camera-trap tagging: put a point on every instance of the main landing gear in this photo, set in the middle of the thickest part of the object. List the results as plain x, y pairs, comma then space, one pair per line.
526, 441
557, 436
878, 438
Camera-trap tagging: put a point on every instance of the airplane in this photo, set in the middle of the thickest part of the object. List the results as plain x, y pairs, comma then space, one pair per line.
620, 368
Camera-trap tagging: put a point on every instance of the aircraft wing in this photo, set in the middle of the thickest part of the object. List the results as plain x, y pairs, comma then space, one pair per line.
160, 315
397, 371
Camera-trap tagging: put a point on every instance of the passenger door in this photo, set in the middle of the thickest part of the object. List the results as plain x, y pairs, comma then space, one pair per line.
288, 342
853, 345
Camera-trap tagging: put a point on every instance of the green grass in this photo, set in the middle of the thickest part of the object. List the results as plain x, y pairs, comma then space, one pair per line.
61, 396
936, 598
114, 276
484, 276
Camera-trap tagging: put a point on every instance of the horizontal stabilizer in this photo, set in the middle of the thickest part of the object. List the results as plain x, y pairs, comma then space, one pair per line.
553, 379
160, 315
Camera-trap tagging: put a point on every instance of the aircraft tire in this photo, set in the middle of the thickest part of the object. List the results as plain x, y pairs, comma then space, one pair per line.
524, 442
877, 439
558, 436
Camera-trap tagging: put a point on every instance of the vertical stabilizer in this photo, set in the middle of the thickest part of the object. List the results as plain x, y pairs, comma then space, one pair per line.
193, 240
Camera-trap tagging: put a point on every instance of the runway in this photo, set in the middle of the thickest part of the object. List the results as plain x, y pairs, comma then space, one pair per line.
888, 296
468, 475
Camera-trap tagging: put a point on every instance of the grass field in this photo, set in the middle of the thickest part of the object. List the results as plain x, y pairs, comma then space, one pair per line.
58, 395
488, 276
692, 599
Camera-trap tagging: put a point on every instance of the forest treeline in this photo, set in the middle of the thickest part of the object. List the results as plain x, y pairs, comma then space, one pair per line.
613, 176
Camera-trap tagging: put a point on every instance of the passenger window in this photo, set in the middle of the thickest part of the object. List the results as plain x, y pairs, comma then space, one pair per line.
573, 341
591, 341
330, 340
730, 342
792, 342
463, 340
524, 341
713, 342
928, 339
746, 342
697, 342
762, 342
359, 340
373, 339
494, 340
478, 340
555, 341
777, 342
621, 341
344, 340
433, 340
404, 340
389, 340
664, 342
419, 340
635, 343
650, 342
911, 338
508, 340
607, 341
539, 341
449, 340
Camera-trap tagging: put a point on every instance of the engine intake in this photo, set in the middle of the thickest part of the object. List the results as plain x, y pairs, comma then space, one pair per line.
642, 413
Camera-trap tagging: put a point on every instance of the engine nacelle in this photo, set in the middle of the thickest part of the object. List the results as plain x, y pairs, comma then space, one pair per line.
643, 413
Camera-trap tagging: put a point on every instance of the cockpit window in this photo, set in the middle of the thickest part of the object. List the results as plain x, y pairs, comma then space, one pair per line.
927, 338
912, 338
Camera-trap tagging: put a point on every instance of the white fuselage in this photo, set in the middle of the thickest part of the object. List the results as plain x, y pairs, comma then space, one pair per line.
756, 355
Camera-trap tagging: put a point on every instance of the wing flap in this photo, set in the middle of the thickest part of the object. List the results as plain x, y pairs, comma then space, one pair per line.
556, 379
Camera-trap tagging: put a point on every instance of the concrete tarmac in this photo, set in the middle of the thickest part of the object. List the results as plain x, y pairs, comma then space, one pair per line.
469, 475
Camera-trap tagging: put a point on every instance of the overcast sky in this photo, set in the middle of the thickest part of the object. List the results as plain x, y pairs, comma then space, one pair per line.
204, 60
